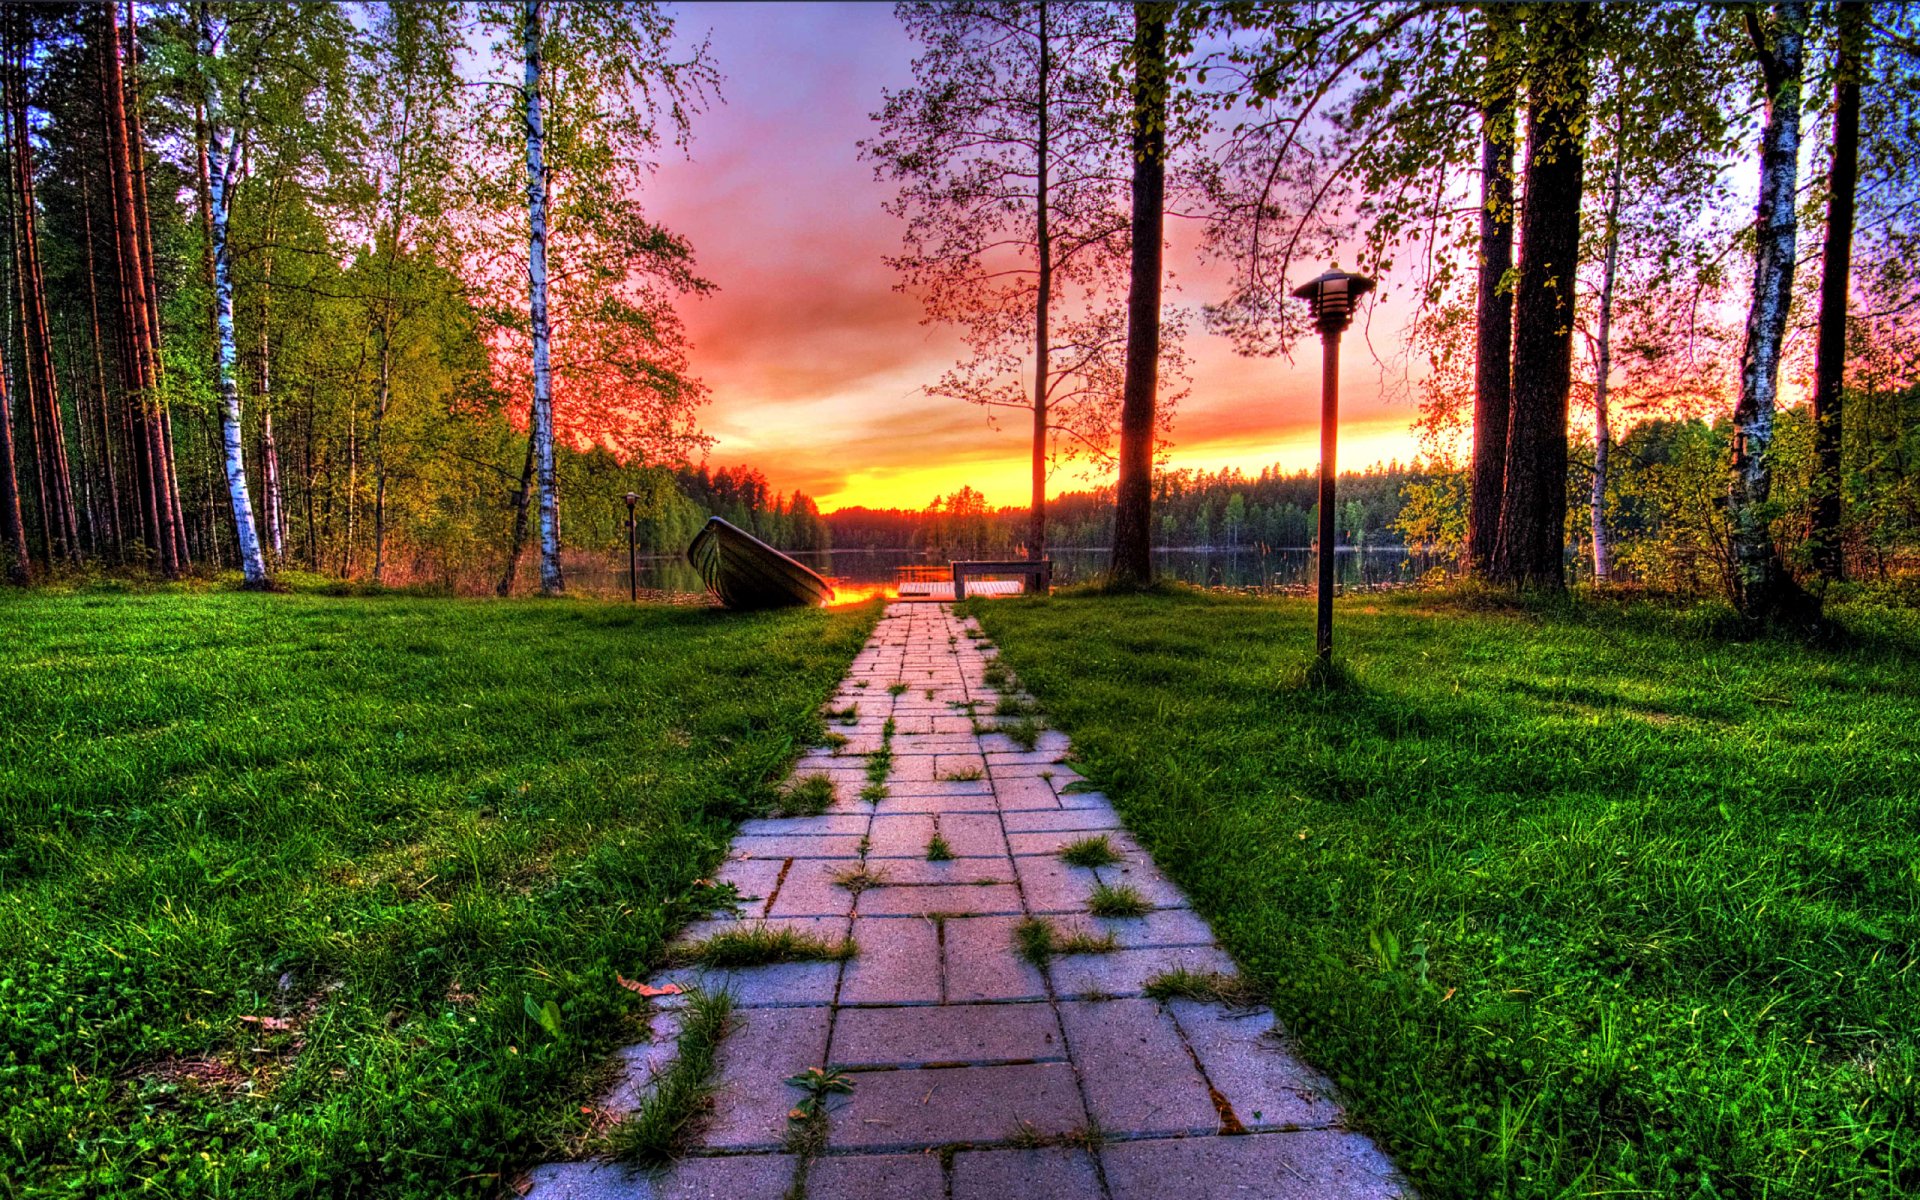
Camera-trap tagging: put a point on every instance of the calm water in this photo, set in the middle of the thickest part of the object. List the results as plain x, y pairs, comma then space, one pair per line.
1247, 569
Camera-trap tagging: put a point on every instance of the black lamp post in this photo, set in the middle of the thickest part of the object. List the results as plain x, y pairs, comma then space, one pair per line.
1333, 297
633, 586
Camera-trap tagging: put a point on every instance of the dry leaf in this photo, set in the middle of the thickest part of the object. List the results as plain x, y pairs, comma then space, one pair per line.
269, 1023
647, 989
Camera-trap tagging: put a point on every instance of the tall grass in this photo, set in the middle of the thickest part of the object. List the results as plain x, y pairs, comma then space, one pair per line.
304, 895
1573, 899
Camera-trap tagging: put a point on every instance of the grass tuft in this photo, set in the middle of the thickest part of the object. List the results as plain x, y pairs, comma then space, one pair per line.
1121, 901
938, 850
966, 774
1208, 987
807, 797
759, 946
1094, 851
663, 1128
1039, 940
857, 879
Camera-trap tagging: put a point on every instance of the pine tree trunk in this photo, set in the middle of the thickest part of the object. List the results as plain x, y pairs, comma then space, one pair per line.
222, 163
1830, 350
551, 582
110, 502
1761, 587
1132, 562
1493, 337
1043, 299
1603, 372
1530, 550
13, 528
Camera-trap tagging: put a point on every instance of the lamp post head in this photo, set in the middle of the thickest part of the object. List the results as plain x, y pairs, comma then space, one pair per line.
1334, 296
633, 498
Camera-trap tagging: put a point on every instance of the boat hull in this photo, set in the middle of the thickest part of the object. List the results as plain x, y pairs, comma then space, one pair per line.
744, 572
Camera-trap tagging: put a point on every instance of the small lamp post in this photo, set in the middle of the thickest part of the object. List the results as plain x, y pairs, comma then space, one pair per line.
1333, 297
633, 585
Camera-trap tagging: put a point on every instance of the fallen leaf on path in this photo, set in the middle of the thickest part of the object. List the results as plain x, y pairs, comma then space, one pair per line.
269, 1023
647, 989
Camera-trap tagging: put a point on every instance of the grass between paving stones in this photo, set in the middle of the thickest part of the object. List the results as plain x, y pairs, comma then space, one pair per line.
315, 895
1093, 851
808, 797
759, 946
1572, 898
668, 1117
938, 850
1208, 987
1122, 901
1038, 940
859, 878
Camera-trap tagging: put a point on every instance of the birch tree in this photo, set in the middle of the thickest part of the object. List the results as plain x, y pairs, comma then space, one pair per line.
1009, 152
1761, 587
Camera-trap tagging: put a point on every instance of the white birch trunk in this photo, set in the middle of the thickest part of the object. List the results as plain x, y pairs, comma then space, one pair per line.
1759, 579
222, 165
1602, 374
551, 582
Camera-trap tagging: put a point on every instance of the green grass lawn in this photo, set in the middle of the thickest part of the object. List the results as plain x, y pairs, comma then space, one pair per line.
1572, 900
289, 882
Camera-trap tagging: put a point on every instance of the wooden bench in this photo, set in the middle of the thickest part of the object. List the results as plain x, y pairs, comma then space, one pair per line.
1040, 573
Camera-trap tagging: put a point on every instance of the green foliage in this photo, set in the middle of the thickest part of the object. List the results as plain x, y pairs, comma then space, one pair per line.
311, 895
1093, 851
758, 946
808, 797
938, 850
1570, 898
1122, 901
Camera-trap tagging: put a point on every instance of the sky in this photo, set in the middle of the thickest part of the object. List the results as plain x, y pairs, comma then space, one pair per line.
817, 364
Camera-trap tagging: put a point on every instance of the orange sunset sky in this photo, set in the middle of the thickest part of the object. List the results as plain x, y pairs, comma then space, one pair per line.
817, 365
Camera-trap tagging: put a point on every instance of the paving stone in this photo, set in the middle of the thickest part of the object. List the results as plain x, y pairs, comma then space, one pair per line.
902, 835
1052, 886
1248, 1064
987, 899
1126, 972
777, 985
751, 1097
804, 826
640, 1063
1048, 1174
1143, 877
954, 766
964, 798
830, 929
929, 786
832, 845
898, 963
1022, 758
1313, 1165
876, 1177
958, 871
974, 835
1089, 817
1093, 800
1053, 841
982, 963
753, 881
942, 1105
946, 1034
745, 1177
809, 891
1025, 794
1138, 1076
1161, 927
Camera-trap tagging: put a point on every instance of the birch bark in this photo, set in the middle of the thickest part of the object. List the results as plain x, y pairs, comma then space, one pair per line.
551, 582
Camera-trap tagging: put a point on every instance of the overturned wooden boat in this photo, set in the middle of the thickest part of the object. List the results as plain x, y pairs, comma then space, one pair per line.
745, 572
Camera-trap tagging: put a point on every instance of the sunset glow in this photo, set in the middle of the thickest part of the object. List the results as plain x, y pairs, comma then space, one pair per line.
818, 366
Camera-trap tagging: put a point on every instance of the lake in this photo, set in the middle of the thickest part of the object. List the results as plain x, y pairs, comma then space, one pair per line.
1243, 569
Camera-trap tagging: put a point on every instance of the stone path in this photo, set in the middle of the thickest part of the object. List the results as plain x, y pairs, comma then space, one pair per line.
976, 1074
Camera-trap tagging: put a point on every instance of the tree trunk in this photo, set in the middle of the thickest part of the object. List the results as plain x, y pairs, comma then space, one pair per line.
380, 452
1603, 369
1530, 550
13, 529
222, 163
521, 499
1493, 335
1761, 587
110, 503
1132, 563
1043, 299
551, 583
1830, 352
137, 346
36, 332
269, 449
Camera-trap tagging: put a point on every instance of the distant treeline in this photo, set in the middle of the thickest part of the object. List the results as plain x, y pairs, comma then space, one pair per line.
1191, 509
